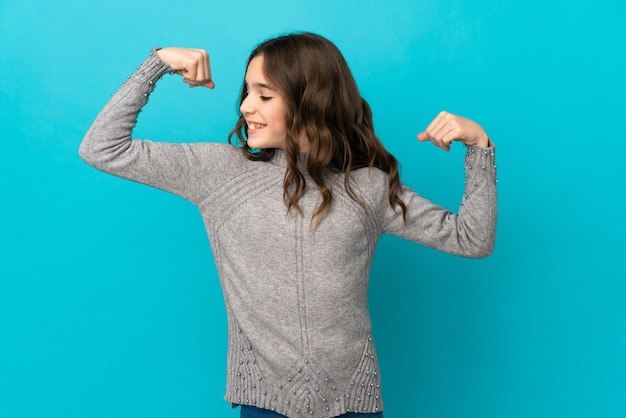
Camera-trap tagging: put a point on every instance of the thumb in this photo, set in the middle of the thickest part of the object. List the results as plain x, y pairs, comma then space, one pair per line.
423, 136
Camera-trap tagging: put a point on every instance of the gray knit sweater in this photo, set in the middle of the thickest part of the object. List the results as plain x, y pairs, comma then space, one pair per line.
300, 337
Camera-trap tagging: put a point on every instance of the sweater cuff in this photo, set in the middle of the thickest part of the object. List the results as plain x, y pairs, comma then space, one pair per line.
152, 68
148, 73
480, 167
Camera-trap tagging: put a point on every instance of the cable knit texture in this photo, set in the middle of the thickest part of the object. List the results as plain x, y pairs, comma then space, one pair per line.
300, 337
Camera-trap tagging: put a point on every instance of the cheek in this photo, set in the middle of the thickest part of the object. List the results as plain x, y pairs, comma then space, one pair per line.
279, 117
282, 114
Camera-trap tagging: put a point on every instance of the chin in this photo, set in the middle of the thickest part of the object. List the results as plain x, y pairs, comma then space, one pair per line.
256, 144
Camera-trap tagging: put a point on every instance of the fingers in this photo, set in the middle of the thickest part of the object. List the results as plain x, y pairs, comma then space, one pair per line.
447, 128
441, 131
197, 71
191, 63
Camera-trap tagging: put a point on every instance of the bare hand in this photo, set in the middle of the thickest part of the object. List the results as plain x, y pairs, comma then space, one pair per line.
446, 128
192, 64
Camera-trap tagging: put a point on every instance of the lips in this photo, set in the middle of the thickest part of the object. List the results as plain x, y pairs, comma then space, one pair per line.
254, 127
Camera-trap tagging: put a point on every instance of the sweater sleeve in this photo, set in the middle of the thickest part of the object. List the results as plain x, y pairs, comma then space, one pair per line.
187, 170
471, 231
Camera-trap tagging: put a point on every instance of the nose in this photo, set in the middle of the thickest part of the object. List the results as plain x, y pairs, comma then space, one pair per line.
246, 106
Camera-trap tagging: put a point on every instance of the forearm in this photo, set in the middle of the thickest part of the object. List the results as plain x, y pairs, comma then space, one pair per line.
108, 144
477, 215
471, 231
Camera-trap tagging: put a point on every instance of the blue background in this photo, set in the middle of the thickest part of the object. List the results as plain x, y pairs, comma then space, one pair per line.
109, 301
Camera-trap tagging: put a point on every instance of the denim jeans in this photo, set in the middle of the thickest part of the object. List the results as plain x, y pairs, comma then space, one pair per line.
253, 412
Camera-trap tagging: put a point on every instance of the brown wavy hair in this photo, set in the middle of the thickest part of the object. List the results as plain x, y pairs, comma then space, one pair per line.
324, 103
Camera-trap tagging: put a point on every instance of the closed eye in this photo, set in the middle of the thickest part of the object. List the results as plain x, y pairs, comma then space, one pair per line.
265, 98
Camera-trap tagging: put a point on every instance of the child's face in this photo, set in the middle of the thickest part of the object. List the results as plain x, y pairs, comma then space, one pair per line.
263, 109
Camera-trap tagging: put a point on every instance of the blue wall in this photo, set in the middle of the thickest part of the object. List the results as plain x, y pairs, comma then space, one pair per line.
109, 302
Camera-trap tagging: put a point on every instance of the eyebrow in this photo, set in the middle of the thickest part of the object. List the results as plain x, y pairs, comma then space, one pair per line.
261, 85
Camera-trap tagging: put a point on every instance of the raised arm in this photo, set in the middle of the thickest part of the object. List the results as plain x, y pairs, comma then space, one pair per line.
175, 167
471, 231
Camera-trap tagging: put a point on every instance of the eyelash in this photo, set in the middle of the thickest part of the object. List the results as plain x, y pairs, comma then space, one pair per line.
263, 98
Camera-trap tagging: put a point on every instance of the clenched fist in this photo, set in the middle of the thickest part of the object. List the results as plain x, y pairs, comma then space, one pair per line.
191, 63
446, 128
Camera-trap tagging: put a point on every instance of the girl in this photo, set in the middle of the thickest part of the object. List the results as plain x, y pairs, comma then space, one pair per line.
293, 212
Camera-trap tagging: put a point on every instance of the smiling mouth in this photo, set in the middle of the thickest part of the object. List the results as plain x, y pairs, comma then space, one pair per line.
254, 127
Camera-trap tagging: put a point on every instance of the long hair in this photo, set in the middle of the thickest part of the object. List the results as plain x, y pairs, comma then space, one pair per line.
324, 103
